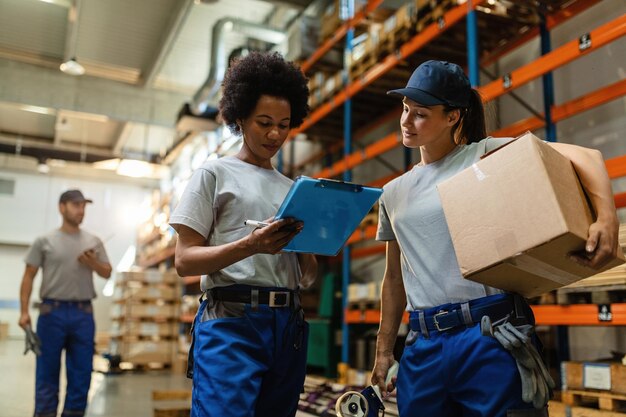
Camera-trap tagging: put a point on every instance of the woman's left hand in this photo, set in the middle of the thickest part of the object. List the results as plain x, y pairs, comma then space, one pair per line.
601, 244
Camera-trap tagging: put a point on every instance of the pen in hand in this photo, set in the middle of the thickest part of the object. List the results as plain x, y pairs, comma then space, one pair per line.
255, 223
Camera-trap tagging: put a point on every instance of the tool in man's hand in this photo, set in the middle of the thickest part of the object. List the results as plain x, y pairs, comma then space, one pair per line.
32, 342
367, 403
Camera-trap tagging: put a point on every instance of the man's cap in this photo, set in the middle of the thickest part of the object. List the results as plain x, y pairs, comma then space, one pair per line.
73, 195
437, 82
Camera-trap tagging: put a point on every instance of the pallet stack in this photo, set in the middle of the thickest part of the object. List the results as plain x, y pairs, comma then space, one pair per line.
146, 318
387, 38
592, 389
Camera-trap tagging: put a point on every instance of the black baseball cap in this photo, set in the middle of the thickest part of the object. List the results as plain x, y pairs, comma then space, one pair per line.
437, 82
73, 195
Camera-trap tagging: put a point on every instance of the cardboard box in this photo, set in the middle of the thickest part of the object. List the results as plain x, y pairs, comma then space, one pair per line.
515, 216
607, 376
4, 330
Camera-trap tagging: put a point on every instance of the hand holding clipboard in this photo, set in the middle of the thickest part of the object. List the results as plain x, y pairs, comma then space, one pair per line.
330, 211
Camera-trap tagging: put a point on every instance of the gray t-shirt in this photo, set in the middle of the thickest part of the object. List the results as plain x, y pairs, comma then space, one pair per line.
411, 213
64, 278
220, 196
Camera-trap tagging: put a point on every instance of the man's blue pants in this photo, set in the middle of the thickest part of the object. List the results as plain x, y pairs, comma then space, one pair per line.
251, 365
65, 325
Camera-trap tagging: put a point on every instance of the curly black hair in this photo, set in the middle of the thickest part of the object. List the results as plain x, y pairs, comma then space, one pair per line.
257, 74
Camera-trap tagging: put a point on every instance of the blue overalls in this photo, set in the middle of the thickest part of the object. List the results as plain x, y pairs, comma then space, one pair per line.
248, 354
65, 325
449, 369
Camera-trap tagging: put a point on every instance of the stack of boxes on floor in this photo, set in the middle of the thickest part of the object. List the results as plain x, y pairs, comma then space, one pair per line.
591, 389
146, 318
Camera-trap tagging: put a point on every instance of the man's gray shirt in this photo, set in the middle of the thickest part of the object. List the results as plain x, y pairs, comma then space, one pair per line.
63, 277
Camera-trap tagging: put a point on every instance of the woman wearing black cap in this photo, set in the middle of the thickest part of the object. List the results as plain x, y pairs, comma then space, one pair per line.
451, 369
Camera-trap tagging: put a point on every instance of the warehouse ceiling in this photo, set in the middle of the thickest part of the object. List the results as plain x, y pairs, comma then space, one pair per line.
143, 60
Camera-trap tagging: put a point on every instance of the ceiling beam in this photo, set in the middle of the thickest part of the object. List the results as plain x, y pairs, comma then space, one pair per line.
170, 34
32, 85
122, 137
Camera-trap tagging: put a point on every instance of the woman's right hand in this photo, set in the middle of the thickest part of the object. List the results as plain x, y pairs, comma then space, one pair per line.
379, 374
273, 238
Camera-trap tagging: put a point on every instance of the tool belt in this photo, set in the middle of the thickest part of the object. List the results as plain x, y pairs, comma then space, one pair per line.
452, 316
272, 297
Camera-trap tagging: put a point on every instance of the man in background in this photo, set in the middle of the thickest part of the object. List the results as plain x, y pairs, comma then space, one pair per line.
68, 256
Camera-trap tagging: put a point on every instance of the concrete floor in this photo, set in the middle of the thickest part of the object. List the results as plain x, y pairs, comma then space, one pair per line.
127, 394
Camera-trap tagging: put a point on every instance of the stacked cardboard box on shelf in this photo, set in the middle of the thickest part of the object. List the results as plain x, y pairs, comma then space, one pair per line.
146, 317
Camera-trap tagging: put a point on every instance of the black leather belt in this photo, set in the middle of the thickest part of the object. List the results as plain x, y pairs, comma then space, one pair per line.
274, 298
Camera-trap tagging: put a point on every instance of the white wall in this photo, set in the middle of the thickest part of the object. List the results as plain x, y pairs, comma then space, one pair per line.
33, 210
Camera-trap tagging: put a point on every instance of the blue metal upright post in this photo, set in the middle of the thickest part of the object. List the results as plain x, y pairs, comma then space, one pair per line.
347, 176
548, 83
472, 46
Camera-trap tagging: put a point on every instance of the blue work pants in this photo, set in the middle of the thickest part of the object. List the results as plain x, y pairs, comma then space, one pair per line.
250, 364
65, 325
460, 373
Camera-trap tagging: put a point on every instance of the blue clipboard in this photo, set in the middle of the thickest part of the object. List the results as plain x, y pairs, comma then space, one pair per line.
331, 211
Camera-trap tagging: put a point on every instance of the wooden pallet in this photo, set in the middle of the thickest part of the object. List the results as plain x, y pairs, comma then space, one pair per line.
558, 409
363, 305
600, 400
367, 61
601, 294
171, 403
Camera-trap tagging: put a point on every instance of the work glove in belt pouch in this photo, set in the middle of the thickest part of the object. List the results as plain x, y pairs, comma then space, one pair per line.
537, 384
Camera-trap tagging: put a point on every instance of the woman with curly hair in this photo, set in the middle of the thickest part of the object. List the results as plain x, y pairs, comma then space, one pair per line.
248, 355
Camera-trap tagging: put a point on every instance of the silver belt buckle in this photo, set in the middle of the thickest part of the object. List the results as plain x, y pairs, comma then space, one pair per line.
441, 329
279, 298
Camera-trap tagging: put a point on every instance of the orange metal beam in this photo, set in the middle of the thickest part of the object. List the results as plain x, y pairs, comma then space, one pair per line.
620, 200
566, 110
369, 251
385, 144
577, 315
355, 316
552, 21
546, 315
368, 232
340, 33
558, 57
359, 134
588, 101
616, 167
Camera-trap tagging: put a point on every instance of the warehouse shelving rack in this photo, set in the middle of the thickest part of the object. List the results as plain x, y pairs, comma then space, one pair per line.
541, 67
545, 315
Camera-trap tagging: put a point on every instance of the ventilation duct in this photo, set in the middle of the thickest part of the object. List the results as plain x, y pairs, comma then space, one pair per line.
205, 98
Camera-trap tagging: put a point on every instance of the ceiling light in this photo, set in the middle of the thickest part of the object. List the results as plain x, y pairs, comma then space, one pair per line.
72, 67
36, 109
108, 164
43, 168
134, 168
